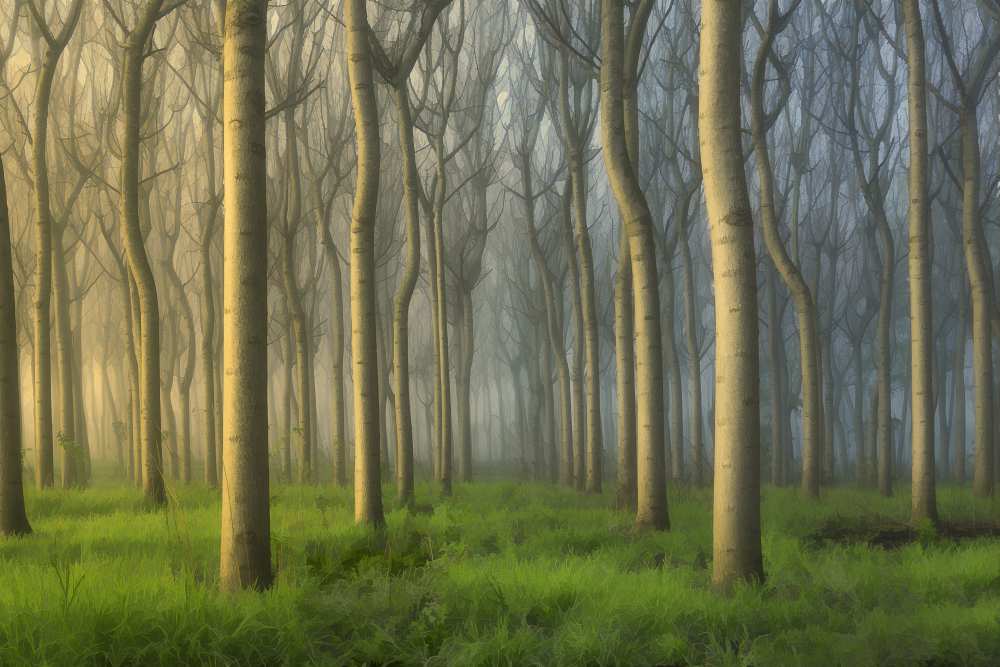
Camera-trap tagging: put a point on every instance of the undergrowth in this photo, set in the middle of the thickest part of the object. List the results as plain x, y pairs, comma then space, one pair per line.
500, 574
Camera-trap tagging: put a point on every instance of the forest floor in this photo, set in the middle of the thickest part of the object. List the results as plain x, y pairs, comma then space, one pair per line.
501, 574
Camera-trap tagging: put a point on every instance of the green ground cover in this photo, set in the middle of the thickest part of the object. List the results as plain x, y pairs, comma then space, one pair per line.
501, 574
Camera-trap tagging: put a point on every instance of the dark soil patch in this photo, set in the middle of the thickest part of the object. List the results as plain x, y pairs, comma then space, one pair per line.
888, 534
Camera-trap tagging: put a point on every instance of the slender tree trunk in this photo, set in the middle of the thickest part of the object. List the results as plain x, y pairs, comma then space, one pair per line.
588, 302
66, 435
977, 263
859, 415
367, 485
924, 502
44, 470
138, 259
675, 399
338, 408
464, 372
13, 517
651, 484
404, 293
691, 325
791, 276
774, 343
625, 379
958, 402
208, 314
444, 366
736, 510
246, 530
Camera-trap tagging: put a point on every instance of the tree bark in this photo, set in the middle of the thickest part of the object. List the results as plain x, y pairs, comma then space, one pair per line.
246, 531
736, 510
138, 259
924, 501
791, 276
13, 517
367, 477
651, 471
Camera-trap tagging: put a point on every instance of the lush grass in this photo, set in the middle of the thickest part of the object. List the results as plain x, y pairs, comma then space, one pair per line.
502, 574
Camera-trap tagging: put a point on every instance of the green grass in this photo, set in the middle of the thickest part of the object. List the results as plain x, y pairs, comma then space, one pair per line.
501, 574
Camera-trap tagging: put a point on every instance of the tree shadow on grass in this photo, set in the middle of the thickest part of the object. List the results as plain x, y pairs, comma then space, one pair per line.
885, 533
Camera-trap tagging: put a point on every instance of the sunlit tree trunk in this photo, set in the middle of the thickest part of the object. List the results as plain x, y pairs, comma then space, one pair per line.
736, 508
246, 529
924, 502
367, 486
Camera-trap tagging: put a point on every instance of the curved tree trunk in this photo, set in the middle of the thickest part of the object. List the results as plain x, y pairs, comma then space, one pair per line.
138, 259
401, 304
44, 469
652, 498
367, 477
791, 276
977, 264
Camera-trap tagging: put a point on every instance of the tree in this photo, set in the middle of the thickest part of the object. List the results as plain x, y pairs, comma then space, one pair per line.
246, 530
136, 43
790, 274
736, 502
55, 45
395, 70
970, 86
620, 161
924, 503
367, 486
13, 518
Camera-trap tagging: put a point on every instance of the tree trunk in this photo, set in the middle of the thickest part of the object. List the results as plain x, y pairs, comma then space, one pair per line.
66, 436
652, 498
791, 276
404, 293
625, 379
978, 268
736, 509
246, 530
367, 482
13, 517
775, 341
924, 502
138, 259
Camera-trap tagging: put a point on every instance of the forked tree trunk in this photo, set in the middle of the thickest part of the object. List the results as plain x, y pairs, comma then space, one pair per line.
791, 276
652, 498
